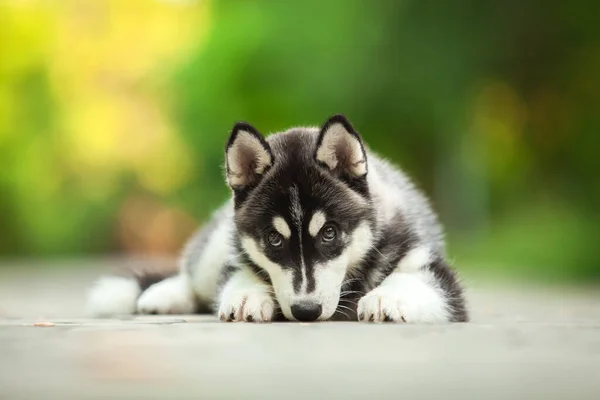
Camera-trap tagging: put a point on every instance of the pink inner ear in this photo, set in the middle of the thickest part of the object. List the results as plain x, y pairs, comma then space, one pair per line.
248, 164
342, 152
247, 159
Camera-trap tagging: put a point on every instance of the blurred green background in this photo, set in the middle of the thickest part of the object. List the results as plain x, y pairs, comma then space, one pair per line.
114, 115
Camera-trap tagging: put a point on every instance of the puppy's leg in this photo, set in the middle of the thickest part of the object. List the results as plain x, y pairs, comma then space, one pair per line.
421, 289
173, 295
245, 297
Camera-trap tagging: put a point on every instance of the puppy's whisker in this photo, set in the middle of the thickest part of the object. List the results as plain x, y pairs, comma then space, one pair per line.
346, 308
343, 313
383, 258
348, 281
347, 292
349, 301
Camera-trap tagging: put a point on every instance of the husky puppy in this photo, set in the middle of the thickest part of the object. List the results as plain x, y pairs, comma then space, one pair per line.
318, 228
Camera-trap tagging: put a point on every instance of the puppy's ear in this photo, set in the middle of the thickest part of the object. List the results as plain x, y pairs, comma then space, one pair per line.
248, 156
340, 148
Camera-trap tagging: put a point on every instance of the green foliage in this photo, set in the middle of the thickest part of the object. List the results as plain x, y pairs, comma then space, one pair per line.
493, 107
480, 104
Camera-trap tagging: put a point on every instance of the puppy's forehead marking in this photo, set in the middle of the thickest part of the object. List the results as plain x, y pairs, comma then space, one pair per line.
295, 207
316, 223
282, 227
297, 215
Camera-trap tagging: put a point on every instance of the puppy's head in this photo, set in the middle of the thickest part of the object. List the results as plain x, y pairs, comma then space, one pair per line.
302, 210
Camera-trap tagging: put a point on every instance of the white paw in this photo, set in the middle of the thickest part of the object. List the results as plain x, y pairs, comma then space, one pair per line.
404, 298
378, 306
171, 296
247, 305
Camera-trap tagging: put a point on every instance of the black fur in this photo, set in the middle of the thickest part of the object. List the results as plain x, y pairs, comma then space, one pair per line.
383, 258
448, 281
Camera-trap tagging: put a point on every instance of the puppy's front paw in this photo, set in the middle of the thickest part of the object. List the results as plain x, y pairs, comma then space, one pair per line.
379, 306
249, 306
404, 298
171, 296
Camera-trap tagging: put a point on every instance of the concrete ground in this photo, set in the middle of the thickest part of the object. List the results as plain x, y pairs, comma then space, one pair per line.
524, 343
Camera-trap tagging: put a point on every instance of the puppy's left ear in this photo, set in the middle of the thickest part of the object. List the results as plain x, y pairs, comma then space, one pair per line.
340, 148
248, 157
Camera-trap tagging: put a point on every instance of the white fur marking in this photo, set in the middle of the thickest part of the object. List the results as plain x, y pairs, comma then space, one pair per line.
316, 223
298, 215
282, 227
171, 296
388, 198
362, 241
112, 296
415, 259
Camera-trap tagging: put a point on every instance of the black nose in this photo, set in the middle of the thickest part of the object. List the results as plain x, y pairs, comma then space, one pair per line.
307, 311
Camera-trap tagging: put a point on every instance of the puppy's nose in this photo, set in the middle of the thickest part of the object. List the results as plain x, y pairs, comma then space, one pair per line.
307, 311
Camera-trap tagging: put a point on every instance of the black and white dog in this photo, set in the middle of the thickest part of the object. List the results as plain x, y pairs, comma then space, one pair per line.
318, 228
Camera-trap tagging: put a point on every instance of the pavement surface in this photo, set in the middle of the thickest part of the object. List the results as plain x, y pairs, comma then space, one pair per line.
524, 342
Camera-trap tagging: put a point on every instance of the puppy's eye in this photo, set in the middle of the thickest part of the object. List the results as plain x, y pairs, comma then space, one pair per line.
274, 239
328, 233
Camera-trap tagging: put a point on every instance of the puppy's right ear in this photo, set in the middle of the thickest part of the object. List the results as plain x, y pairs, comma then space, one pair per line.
340, 149
248, 156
